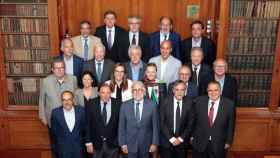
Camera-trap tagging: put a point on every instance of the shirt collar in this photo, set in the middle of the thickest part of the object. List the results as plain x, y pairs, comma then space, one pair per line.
112, 29
69, 111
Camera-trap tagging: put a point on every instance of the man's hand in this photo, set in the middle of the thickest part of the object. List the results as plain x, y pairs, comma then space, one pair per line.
153, 148
44, 122
191, 140
227, 146
90, 148
176, 142
124, 149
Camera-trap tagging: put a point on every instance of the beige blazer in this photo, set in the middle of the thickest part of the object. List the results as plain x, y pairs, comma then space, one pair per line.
78, 45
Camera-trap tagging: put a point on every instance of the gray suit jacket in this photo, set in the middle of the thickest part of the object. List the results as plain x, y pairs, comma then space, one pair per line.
50, 92
138, 135
171, 70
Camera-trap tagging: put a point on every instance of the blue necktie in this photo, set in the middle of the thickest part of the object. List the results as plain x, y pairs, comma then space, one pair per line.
86, 49
137, 113
99, 71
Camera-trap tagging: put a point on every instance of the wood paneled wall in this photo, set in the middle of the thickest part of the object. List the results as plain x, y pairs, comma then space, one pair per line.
73, 11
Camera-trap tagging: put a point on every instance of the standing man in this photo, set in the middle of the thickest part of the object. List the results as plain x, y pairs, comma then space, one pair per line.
50, 91
198, 40
112, 37
84, 43
176, 120
167, 65
165, 33
138, 125
214, 124
136, 37
102, 115
100, 68
68, 127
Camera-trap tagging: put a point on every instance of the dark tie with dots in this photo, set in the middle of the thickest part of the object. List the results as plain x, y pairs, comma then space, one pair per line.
211, 114
194, 76
178, 116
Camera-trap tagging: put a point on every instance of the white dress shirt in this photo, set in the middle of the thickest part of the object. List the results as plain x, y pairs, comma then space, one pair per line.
171, 140
197, 70
196, 43
216, 106
69, 65
136, 37
112, 34
162, 36
69, 118
162, 68
140, 107
108, 109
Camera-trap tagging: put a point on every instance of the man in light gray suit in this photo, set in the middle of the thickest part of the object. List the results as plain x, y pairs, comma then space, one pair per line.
167, 65
138, 125
50, 91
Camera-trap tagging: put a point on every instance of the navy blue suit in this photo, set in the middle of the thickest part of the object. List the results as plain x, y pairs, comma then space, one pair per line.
155, 44
68, 144
192, 90
77, 65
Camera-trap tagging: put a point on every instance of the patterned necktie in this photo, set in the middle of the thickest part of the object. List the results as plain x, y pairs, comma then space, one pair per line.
194, 76
99, 71
211, 114
109, 40
137, 112
86, 49
133, 39
104, 113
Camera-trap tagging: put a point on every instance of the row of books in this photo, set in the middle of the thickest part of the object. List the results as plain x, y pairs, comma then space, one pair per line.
26, 54
23, 99
250, 63
253, 82
253, 27
25, 84
247, 45
27, 68
26, 41
24, 1
24, 25
253, 99
23, 9
255, 8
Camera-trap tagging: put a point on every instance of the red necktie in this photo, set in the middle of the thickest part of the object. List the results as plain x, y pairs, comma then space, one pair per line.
211, 114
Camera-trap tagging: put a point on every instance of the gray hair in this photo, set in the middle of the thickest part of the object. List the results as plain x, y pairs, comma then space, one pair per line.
63, 42
100, 45
138, 18
136, 47
140, 83
197, 49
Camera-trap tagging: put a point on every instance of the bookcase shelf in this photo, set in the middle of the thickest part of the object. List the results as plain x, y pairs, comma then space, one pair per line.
258, 72
27, 61
239, 53
24, 33
18, 16
27, 75
7, 3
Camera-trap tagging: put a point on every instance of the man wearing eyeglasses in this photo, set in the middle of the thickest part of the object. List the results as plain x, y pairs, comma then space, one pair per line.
138, 125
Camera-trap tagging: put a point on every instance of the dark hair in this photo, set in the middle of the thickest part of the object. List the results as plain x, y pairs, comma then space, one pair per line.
214, 82
113, 82
67, 91
104, 85
57, 60
151, 65
166, 17
110, 12
85, 22
92, 77
177, 82
197, 22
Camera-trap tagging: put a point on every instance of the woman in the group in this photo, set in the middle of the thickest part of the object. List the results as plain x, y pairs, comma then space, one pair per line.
119, 84
155, 90
88, 91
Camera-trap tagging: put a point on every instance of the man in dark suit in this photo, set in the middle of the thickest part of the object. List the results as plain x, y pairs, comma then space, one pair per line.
135, 67
198, 40
100, 68
164, 34
112, 36
136, 37
176, 120
184, 74
138, 125
68, 122
214, 124
102, 115
73, 63
228, 83
201, 73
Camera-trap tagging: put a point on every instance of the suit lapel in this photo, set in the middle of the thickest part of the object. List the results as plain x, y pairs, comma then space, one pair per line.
80, 45
62, 120
104, 70
171, 112
219, 112
105, 37
144, 111
77, 118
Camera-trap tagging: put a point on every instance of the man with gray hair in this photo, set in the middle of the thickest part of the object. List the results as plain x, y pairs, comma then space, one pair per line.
100, 67
135, 67
138, 125
136, 37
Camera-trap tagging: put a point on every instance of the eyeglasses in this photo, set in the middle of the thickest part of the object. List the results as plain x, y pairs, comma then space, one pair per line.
137, 90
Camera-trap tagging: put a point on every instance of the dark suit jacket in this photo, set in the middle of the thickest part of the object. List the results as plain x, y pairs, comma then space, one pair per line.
77, 65
138, 136
96, 131
167, 121
129, 71
204, 77
144, 43
118, 52
230, 88
176, 44
192, 90
222, 130
68, 144
108, 67
208, 46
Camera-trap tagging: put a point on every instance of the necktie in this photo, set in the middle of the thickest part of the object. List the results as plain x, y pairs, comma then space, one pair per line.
211, 114
137, 112
165, 36
194, 76
86, 49
109, 40
133, 39
99, 71
104, 113
178, 116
